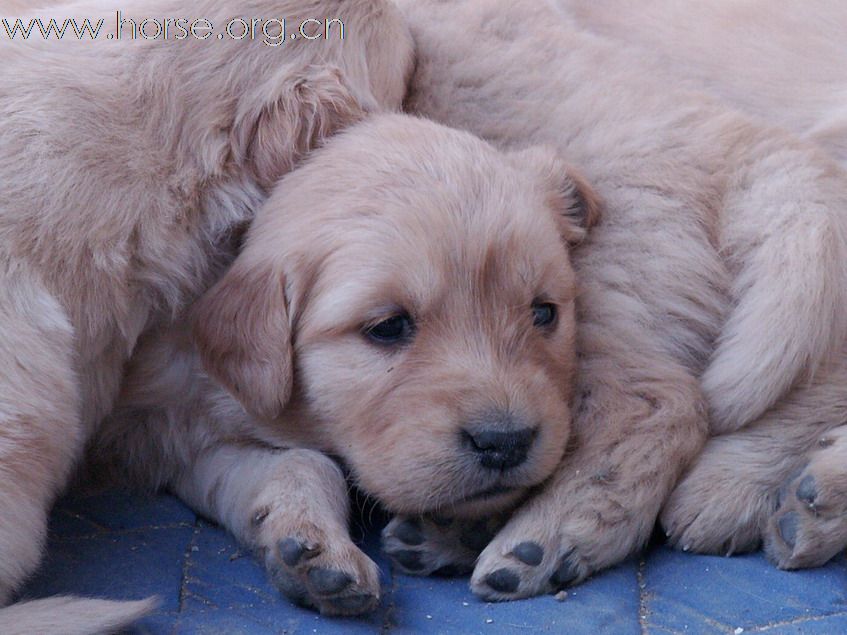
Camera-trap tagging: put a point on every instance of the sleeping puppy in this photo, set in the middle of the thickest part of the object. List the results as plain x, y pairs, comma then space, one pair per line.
403, 301
714, 296
126, 167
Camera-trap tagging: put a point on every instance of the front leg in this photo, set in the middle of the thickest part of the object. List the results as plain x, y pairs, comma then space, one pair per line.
176, 428
291, 507
640, 421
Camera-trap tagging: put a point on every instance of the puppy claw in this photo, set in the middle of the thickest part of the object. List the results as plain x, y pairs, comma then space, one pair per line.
716, 508
807, 491
292, 551
566, 573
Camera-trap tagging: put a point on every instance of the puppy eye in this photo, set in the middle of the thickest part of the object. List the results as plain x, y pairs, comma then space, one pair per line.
394, 330
543, 314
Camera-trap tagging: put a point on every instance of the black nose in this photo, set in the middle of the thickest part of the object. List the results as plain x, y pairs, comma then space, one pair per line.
498, 449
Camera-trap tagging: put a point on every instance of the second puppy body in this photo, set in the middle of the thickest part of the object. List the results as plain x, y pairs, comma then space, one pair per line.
713, 296
410, 288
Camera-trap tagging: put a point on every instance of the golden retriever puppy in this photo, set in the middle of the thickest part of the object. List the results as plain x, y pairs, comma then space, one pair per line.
714, 290
404, 301
782, 63
126, 168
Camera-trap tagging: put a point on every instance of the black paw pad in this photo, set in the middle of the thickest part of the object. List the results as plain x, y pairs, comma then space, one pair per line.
328, 581
408, 559
292, 551
409, 531
503, 581
292, 589
807, 490
787, 526
529, 553
565, 573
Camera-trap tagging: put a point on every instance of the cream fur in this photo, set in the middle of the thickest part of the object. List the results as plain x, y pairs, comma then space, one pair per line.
721, 260
418, 218
127, 170
781, 62
781, 480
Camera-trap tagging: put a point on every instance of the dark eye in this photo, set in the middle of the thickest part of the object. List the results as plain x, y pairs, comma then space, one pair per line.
543, 314
394, 330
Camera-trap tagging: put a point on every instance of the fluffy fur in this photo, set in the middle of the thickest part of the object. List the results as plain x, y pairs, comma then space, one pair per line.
783, 64
780, 62
715, 285
126, 171
395, 216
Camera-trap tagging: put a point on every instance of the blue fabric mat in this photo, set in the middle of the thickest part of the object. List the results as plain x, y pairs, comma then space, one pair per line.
119, 545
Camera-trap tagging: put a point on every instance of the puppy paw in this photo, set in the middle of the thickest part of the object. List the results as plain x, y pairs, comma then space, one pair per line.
720, 507
317, 569
809, 526
440, 546
526, 559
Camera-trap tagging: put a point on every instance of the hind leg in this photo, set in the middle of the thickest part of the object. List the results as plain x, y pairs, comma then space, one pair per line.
725, 503
40, 433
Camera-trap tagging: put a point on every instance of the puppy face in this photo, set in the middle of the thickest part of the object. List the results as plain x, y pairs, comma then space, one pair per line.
413, 285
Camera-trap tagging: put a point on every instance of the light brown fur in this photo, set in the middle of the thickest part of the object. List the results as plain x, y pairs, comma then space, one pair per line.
394, 215
126, 169
782, 480
715, 285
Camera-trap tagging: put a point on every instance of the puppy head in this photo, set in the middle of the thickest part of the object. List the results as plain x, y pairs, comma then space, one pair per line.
414, 285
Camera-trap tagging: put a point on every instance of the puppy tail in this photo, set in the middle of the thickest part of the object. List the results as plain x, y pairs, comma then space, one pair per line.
69, 615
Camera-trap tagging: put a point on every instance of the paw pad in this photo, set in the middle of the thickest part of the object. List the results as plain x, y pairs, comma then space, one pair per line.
529, 553
292, 551
565, 573
408, 559
503, 580
787, 526
409, 531
328, 581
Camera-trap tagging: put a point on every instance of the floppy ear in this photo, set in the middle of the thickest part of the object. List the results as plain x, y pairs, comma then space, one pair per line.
575, 203
285, 117
242, 330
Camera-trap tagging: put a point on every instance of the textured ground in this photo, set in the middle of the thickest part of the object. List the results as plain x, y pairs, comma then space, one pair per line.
122, 546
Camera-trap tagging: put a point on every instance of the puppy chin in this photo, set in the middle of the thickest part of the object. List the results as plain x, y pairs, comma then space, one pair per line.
477, 507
